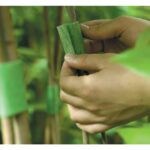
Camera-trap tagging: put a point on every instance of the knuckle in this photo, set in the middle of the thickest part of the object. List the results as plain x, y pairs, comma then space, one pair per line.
76, 118
92, 108
123, 18
61, 83
87, 88
62, 96
90, 29
86, 93
84, 59
73, 117
93, 31
92, 130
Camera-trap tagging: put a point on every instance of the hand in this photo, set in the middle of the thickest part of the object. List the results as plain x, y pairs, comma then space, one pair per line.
113, 35
109, 96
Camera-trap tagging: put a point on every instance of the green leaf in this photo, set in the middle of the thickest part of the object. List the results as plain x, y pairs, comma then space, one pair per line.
139, 135
137, 59
38, 70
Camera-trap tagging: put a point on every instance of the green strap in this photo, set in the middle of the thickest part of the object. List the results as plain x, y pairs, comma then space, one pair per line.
71, 38
53, 101
12, 89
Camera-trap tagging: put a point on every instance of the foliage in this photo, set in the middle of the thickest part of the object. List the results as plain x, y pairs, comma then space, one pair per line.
137, 58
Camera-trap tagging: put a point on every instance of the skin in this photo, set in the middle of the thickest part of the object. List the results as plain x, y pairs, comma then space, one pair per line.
110, 95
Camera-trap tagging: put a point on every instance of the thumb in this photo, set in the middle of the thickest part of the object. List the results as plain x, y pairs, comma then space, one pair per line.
86, 62
102, 30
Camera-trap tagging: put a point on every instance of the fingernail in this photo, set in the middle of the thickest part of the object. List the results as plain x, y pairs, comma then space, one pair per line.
85, 26
70, 58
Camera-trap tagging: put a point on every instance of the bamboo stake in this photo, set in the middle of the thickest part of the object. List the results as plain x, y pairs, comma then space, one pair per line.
7, 123
72, 13
57, 50
48, 128
47, 40
56, 129
85, 137
56, 57
21, 128
52, 134
7, 130
48, 131
20, 123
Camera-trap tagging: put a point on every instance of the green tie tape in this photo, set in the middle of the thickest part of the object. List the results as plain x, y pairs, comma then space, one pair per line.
12, 89
53, 101
71, 38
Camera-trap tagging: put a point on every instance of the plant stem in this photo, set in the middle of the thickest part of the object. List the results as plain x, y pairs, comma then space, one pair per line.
104, 138
85, 137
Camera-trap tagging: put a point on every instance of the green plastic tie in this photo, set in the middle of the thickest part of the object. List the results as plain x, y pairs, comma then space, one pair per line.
53, 101
12, 89
71, 38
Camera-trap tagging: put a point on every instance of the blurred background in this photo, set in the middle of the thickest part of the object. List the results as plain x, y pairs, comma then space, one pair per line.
38, 44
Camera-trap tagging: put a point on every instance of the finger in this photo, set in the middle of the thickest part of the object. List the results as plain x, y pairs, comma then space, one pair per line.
96, 22
83, 116
72, 100
77, 85
70, 82
87, 62
66, 70
93, 46
93, 128
104, 30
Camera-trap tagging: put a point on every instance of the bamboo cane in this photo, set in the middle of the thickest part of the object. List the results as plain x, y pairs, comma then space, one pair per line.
7, 123
52, 134
7, 130
57, 46
20, 121
48, 128
48, 138
21, 128
57, 62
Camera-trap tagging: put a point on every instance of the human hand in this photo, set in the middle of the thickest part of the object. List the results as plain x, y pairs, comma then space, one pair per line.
113, 35
109, 96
